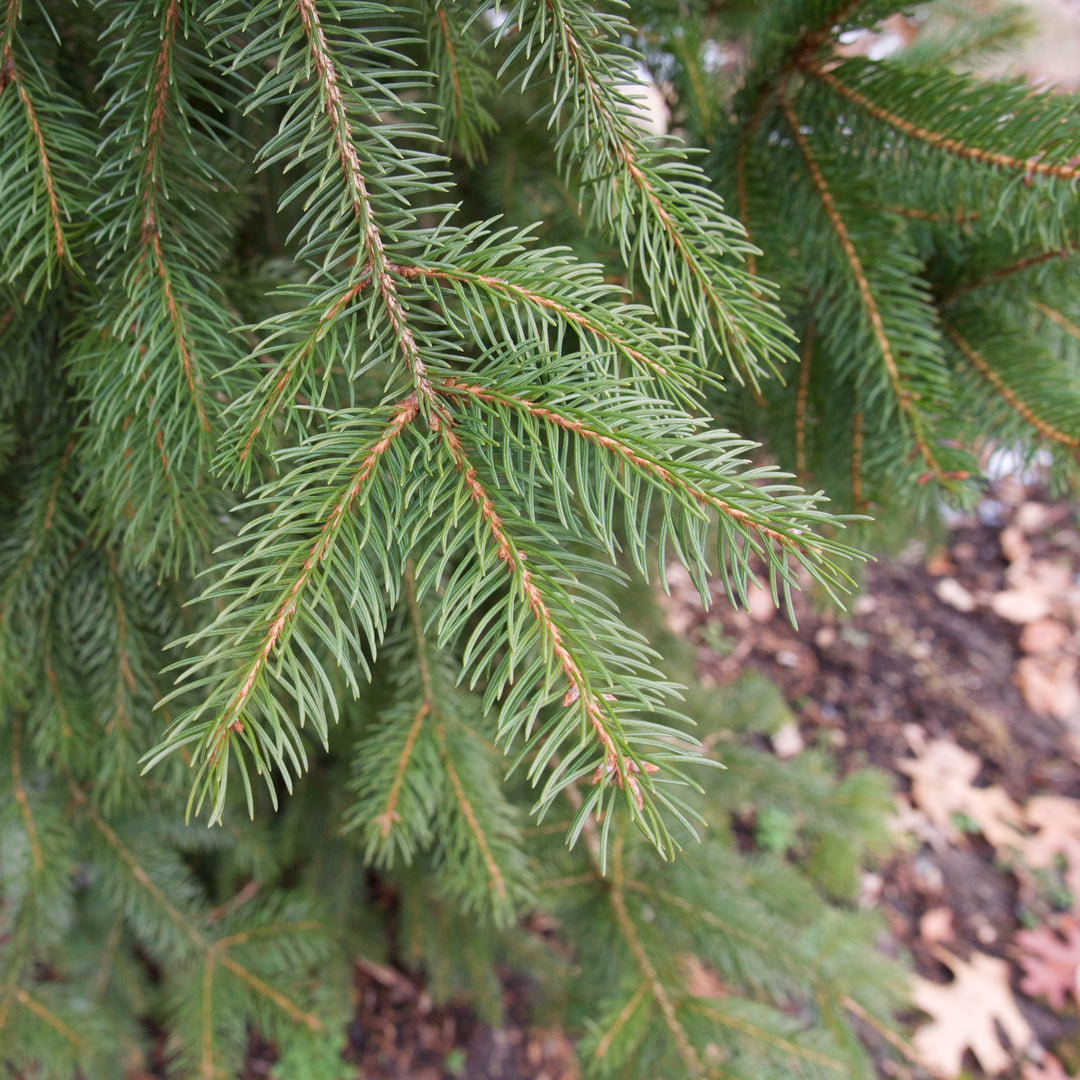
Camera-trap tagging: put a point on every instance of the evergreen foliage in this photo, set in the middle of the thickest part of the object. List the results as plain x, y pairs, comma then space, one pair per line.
355, 359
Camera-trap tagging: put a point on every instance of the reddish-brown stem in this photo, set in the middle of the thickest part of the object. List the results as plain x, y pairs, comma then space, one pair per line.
807, 43
389, 817
342, 133
810, 42
514, 560
9, 75
404, 414
625, 157
546, 303
622, 450
455, 78
741, 198
1026, 262
914, 213
151, 234
862, 283
1006, 392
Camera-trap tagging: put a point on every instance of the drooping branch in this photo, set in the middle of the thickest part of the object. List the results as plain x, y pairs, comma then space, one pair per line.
405, 412
337, 116
10, 76
539, 300
1006, 392
150, 238
618, 765
901, 393
957, 147
658, 471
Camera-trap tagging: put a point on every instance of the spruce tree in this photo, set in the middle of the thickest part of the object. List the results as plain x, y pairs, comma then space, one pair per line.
358, 364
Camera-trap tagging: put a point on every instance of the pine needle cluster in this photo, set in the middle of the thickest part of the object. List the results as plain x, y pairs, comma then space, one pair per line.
354, 360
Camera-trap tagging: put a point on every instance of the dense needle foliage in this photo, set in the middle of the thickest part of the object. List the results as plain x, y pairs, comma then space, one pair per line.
356, 360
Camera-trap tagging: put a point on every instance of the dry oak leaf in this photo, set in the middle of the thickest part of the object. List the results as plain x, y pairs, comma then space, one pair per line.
1045, 636
1051, 962
1057, 821
1049, 685
936, 925
1050, 1069
1021, 605
964, 1013
941, 786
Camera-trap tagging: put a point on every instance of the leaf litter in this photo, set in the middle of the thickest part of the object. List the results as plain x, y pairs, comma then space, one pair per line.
958, 671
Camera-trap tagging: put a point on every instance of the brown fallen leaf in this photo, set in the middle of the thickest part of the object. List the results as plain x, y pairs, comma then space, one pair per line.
1051, 962
941, 786
1054, 580
949, 591
1049, 685
1056, 820
1044, 636
1049, 1069
964, 1013
1021, 605
936, 925
1014, 544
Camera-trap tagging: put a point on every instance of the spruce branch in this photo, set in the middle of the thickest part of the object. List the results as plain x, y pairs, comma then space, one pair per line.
670, 228
425, 781
734, 1017
20, 797
903, 395
593, 323
1057, 318
1047, 140
150, 238
665, 476
201, 948
1017, 266
10, 76
45, 154
218, 722
657, 990
374, 253
465, 85
619, 764
1007, 393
